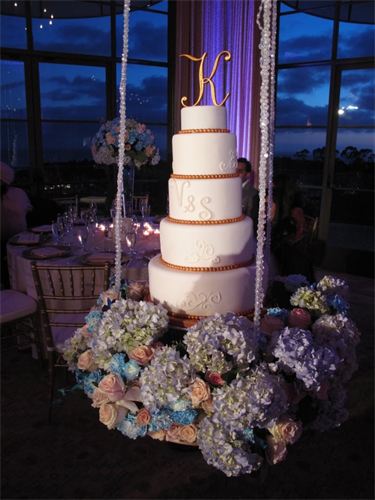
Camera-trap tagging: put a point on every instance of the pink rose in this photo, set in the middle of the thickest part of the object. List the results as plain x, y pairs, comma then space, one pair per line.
99, 398
199, 392
86, 361
109, 139
143, 417
159, 435
270, 324
110, 415
84, 331
142, 354
214, 378
299, 318
286, 430
114, 386
276, 451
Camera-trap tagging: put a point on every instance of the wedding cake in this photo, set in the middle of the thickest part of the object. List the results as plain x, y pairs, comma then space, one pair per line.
207, 261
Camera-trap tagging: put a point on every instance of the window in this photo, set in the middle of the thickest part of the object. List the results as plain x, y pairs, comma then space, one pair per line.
71, 86
14, 143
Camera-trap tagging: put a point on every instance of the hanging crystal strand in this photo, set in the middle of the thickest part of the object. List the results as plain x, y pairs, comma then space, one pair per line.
120, 181
271, 139
265, 63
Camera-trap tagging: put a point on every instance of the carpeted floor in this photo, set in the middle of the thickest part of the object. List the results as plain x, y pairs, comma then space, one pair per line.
76, 457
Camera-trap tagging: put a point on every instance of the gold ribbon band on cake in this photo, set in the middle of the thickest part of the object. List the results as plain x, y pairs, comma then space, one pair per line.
204, 131
206, 176
188, 269
178, 316
206, 222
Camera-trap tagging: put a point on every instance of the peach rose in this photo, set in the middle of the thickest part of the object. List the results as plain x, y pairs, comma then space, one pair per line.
299, 318
113, 385
270, 324
182, 434
199, 392
109, 294
110, 415
276, 451
86, 361
286, 430
207, 406
188, 434
214, 378
136, 290
142, 354
99, 398
159, 435
143, 417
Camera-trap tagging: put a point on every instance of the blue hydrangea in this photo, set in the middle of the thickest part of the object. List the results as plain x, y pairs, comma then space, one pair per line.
160, 420
185, 417
278, 312
338, 303
129, 428
92, 319
117, 364
88, 380
131, 370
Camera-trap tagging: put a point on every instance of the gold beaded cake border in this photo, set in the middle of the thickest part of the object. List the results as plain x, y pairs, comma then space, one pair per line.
206, 222
206, 176
249, 312
204, 131
228, 267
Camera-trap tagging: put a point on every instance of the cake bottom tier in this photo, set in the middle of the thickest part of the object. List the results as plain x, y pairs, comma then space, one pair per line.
202, 293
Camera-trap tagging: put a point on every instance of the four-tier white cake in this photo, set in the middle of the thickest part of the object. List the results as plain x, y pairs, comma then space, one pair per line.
207, 246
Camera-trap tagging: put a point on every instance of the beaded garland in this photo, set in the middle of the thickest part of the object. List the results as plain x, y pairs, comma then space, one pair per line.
267, 67
121, 156
204, 131
206, 176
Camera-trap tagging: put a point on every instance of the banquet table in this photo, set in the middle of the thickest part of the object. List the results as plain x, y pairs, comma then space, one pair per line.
20, 258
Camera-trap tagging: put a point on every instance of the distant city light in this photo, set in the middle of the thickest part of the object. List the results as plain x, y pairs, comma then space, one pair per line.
15, 4
342, 110
51, 16
44, 10
41, 26
50, 23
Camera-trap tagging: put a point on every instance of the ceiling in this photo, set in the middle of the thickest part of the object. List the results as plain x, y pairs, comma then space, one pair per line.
352, 11
70, 8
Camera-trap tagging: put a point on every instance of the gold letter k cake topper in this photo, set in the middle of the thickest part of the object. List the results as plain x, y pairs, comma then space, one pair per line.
203, 80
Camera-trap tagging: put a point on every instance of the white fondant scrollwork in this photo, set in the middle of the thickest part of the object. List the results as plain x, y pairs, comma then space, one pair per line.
201, 299
233, 160
190, 207
206, 214
203, 251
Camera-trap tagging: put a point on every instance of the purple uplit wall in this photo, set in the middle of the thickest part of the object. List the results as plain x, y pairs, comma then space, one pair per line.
229, 25
214, 26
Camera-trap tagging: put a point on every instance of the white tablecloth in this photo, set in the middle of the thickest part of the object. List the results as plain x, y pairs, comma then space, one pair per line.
20, 273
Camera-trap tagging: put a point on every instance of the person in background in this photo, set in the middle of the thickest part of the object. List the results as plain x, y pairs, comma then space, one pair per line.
250, 195
15, 205
289, 242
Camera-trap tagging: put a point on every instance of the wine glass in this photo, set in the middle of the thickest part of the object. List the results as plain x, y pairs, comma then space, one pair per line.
144, 207
82, 232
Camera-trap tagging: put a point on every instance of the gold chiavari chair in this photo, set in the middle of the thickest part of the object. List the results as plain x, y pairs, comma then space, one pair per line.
65, 296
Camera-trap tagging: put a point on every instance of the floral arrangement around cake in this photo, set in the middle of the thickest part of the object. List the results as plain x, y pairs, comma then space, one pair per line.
139, 144
242, 395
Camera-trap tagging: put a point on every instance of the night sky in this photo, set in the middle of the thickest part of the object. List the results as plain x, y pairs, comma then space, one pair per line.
78, 92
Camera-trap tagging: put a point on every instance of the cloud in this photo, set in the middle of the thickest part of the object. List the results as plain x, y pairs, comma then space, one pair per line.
305, 48
148, 41
148, 102
77, 88
291, 111
302, 80
360, 43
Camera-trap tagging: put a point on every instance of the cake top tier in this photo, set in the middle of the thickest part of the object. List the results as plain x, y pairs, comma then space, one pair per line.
196, 117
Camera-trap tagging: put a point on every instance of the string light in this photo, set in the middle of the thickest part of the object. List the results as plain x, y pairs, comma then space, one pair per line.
267, 26
121, 156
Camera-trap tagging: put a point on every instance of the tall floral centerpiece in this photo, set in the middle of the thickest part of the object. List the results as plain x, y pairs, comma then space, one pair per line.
140, 150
